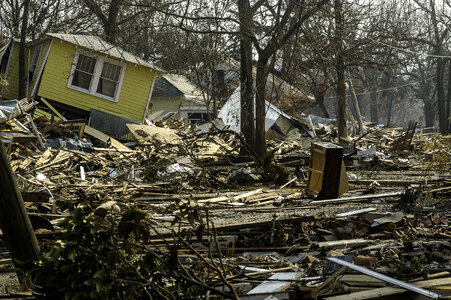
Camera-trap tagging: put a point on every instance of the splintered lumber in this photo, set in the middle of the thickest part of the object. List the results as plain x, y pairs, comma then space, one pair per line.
263, 271
362, 280
214, 200
356, 198
344, 243
53, 109
146, 134
19, 137
387, 291
244, 196
356, 212
277, 285
15, 223
331, 278
104, 138
390, 280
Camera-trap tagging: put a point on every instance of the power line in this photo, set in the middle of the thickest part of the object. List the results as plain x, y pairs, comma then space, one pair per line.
409, 51
388, 89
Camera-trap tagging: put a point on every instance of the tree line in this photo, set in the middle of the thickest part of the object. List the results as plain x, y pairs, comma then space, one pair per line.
369, 56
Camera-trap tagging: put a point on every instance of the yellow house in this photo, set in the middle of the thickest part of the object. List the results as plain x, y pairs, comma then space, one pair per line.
83, 76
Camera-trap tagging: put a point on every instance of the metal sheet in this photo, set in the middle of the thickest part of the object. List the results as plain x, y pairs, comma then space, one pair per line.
385, 278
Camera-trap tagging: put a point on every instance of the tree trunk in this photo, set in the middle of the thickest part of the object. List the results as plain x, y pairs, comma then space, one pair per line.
429, 113
109, 22
340, 67
356, 106
373, 107
22, 61
246, 79
111, 25
448, 108
320, 101
442, 117
260, 108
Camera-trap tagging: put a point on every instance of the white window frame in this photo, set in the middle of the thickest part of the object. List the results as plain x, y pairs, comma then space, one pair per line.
100, 60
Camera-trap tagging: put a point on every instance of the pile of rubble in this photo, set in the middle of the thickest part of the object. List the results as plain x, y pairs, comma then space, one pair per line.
385, 233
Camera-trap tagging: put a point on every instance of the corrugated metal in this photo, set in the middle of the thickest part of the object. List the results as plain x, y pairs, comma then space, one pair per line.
97, 44
109, 124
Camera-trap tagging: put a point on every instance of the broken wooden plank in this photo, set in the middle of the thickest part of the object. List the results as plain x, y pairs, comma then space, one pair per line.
356, 198
146, 134
344, 243
113, 150
387, 291
53, 109
362, 280
356, 212
19, 137
214, 200
245, 195
280, 285
264, 271
331, 278
374, 274
104, 138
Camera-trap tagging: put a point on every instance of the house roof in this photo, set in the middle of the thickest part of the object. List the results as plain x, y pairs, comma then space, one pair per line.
174, 85
95, 43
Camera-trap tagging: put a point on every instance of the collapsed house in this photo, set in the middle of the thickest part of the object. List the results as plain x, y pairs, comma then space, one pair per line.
84, 77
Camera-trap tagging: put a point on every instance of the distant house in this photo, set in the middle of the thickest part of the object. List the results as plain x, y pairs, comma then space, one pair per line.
175, 94
83, 76
289, 98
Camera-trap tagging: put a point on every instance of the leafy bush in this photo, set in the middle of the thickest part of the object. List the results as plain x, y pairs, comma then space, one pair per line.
105, 256
94, 258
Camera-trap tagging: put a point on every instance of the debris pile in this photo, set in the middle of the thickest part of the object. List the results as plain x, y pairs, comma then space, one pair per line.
284, 227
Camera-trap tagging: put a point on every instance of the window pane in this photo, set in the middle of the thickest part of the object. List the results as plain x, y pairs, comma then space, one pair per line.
81, 79
111, 71
86, 63
106, 87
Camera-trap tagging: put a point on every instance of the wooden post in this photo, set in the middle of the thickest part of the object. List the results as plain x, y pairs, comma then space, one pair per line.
356, 105
14, 221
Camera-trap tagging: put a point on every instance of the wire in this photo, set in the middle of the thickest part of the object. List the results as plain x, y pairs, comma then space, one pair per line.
409, 51
388, 89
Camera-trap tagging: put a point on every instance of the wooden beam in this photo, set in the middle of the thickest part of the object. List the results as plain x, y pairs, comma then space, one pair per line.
16, 226
53, 109
388, 291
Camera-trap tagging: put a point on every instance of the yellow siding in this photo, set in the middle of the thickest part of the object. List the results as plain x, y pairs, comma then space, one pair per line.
161, 106
11, 91
132, 98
